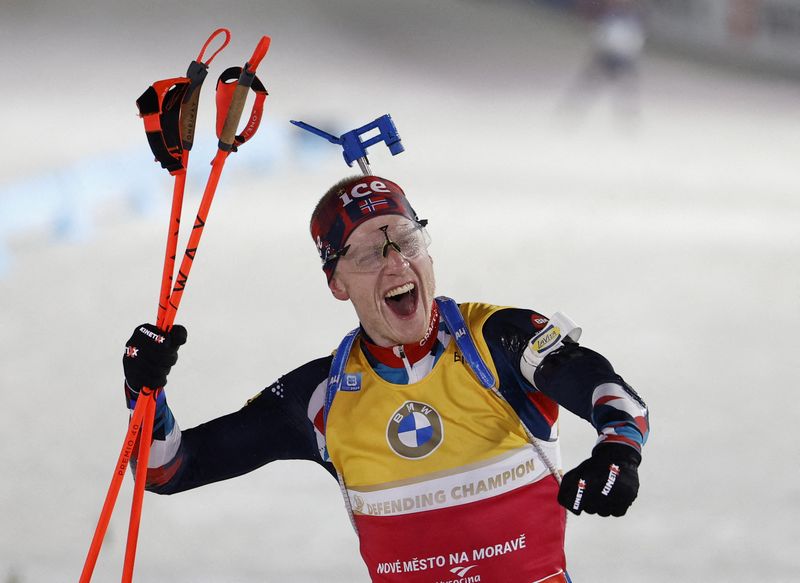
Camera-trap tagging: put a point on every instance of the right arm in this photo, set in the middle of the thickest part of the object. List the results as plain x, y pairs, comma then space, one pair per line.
274, 425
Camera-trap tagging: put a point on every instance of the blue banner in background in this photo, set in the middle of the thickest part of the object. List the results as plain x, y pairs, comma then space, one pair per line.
63, 204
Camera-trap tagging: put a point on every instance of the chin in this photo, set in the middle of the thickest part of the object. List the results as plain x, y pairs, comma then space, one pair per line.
412, 330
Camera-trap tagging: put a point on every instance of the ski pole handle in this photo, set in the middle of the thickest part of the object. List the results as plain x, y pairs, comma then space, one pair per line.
188, 117
228, 133
198, 69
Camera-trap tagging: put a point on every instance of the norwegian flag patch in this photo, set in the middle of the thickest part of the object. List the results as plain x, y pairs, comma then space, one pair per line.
370, 205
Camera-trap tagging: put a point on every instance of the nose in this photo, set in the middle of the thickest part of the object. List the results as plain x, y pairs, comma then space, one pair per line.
395, 262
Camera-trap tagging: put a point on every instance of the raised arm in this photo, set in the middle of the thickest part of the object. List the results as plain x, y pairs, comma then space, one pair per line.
274, 425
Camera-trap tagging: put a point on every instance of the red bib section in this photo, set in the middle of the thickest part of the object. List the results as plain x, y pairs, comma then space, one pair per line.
507, 538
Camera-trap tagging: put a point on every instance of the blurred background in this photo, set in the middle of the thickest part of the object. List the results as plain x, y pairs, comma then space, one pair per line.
631, 164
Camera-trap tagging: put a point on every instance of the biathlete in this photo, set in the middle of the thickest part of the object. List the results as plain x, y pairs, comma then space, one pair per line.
439, 420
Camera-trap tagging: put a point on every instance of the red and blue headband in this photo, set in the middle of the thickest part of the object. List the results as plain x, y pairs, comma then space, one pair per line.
356, 201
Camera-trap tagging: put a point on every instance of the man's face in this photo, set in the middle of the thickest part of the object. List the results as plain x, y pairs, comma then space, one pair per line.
391, 291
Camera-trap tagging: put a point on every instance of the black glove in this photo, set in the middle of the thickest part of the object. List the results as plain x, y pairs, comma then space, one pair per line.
150, 354
605, 484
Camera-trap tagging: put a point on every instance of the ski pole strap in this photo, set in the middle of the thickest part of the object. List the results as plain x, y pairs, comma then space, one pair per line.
234, 105
227, 86
202, 52
197, 72
159, 107
169, 109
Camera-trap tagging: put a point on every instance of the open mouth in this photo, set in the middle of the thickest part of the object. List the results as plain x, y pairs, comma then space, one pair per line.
402, 300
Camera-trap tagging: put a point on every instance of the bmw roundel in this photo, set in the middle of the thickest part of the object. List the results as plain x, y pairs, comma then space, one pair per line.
415, 430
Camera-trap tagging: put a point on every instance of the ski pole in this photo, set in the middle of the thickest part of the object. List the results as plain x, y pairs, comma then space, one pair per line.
228, 142
227, 138
188, 118
128, 445
142, 460
160, 144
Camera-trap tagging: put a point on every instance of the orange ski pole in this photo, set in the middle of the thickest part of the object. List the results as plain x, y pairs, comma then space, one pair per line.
225, 146
187, 125
142, 459
116, 482
188, 120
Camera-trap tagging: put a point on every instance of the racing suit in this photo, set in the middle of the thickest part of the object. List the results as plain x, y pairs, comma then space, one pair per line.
446, 451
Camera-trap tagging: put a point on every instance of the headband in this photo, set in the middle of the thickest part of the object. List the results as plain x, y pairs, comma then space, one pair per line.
342, 211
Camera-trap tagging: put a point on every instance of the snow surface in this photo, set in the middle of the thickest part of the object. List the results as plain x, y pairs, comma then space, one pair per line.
672, 240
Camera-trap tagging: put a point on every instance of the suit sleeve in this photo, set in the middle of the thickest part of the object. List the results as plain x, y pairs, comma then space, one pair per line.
575, 377
274, 425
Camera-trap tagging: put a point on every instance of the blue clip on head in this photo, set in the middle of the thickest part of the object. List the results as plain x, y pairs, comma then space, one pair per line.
354, 149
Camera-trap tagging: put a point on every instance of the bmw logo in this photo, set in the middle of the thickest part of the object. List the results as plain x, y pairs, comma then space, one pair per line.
415, 430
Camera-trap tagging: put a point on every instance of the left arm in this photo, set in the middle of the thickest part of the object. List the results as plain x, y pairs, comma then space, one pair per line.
585, 383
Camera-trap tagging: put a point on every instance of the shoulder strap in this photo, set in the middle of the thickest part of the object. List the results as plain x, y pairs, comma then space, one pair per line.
455, 322
458, 328
337, 370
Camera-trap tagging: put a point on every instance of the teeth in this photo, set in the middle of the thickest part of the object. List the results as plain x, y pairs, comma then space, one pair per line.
399, 290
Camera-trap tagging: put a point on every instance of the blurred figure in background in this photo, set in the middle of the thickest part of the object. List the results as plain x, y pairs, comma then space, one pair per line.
618, 40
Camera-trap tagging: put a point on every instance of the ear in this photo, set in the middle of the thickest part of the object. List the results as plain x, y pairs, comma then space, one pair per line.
338, 290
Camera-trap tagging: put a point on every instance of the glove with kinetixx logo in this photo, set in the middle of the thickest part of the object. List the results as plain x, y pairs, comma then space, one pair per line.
150, 354
606, 484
